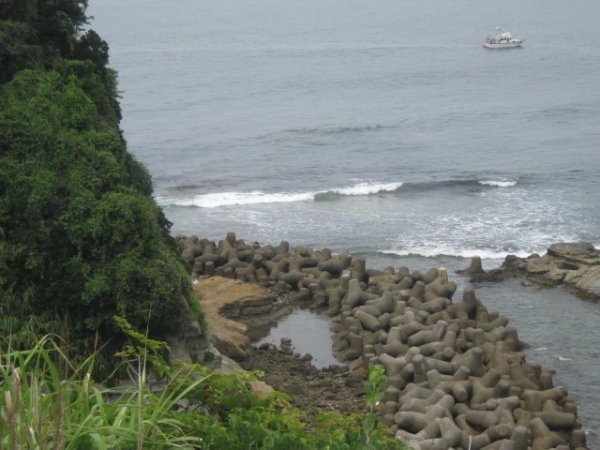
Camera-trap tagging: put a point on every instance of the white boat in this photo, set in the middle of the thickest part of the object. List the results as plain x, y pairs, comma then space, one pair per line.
502, 40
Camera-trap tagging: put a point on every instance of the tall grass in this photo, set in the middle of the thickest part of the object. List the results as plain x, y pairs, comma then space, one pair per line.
48, 404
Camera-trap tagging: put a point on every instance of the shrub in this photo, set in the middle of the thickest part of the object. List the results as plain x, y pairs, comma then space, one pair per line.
48, 402
81, 237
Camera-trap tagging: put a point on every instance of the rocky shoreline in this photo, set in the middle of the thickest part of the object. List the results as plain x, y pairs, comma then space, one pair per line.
573, 265
457, 376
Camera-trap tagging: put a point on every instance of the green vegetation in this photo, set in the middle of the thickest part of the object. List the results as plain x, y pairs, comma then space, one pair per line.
46, 403
81, 237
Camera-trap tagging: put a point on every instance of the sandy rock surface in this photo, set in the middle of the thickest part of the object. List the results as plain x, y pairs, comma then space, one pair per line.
230, 307
310, 389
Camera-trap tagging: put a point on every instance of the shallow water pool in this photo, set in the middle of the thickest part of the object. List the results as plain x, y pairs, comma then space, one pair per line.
310, 333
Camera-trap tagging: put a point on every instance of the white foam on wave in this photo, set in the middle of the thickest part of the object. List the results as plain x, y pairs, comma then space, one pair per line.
215, 200
498, 183
365, 188
240, 198
513, 223
432, 252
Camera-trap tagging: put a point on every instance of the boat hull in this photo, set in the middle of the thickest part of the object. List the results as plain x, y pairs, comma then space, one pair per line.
503, 44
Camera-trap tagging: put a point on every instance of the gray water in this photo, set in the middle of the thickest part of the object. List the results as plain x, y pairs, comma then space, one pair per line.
310, 332
382, 128
563, 333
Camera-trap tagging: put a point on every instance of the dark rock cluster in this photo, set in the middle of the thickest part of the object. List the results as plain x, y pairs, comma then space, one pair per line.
574, 265
332, 388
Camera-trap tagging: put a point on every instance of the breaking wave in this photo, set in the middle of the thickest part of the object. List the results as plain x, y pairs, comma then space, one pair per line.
219, 199
432, 252
467, 184
337, 130
498, 183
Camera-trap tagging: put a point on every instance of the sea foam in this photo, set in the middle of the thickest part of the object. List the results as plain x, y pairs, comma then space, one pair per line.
498, 183
432, 252
219, 199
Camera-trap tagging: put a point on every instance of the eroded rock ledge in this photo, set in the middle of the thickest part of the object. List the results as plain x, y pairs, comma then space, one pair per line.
574, 265
457, 376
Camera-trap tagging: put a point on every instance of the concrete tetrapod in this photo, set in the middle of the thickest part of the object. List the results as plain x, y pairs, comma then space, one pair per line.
433, 349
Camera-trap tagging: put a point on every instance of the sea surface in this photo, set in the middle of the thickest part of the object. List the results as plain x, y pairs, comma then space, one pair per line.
383, 128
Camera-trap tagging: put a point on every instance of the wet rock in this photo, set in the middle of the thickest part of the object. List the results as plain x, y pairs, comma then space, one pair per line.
574, 265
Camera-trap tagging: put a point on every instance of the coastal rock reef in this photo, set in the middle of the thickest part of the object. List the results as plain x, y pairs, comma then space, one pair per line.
457, 377
574, 265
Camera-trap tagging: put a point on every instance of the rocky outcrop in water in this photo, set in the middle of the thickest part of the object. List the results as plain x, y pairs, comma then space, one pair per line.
457, 377
574, 265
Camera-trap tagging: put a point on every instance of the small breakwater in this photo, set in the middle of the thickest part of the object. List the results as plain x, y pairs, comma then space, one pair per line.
457, 374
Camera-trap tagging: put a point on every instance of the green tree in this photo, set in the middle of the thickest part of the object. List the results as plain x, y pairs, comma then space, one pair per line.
81, 238
38, 33
48, 35
90, 64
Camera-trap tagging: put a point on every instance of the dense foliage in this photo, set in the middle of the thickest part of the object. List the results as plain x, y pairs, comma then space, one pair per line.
81, 238
196, 410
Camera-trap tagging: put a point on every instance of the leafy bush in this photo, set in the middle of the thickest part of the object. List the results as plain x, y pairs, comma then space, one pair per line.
81, 237
38, 34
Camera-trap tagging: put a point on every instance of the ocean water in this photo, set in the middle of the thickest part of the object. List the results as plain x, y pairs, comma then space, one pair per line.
383, 128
